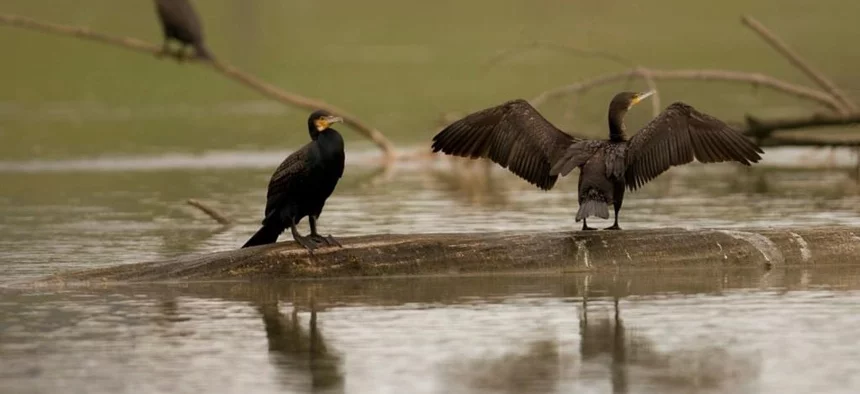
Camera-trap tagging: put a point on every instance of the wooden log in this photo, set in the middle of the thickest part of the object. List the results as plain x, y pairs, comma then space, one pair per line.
427, 254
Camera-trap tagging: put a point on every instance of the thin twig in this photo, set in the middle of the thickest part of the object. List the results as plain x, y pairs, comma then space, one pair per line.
212, 212
847, 106
227, 70
656, 106
587, 53
700, 75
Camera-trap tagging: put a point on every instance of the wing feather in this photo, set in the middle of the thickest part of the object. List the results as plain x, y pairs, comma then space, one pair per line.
513, 135
677, 136
287, 178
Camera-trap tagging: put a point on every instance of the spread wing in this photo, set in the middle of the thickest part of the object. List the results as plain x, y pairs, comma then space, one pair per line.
678, 135
287, 179
514, 135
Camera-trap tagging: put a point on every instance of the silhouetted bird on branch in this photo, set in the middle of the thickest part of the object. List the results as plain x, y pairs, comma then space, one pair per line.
180, 22
517, 137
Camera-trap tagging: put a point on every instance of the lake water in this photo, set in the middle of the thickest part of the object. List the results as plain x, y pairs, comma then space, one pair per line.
646, 332
85, 182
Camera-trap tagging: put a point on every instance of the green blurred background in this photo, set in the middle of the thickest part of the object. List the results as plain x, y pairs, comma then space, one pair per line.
400, 65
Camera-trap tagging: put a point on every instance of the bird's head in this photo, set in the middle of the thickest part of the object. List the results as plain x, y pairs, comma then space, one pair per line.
626, 100
618, 108
320, 121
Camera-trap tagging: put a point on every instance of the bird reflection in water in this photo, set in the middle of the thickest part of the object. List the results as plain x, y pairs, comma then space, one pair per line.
603, 337
632, 360
298, 352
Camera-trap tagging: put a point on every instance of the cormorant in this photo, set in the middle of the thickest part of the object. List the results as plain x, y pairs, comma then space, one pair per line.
301, 185
180, 22
517, 137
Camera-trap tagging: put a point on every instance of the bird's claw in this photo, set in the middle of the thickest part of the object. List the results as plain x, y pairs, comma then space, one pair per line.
613, 227
307, 243
332, 241
584, 228
327, 240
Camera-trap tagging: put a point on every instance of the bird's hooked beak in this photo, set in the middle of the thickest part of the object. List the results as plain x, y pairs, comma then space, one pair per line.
641, 96
324, 122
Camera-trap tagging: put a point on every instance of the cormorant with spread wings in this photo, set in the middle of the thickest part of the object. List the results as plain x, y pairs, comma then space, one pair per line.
517, 137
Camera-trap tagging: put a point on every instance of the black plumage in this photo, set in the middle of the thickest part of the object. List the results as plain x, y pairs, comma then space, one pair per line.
301, 185
179, 21
517, 137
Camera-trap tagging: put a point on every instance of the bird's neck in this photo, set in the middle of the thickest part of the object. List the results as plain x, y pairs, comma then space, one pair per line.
616, 126
330, 142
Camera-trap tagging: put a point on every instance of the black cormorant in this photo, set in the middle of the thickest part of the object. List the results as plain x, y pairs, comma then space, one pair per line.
517, 137
180, 22
301, 185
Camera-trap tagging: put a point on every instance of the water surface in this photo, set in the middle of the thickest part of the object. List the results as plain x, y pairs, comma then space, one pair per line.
652, 332
714, 331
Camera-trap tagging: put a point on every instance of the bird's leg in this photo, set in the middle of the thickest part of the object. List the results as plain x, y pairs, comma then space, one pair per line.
165, 49
304, 241
180, 53
617, 200
328, 240
585, 225
615, 225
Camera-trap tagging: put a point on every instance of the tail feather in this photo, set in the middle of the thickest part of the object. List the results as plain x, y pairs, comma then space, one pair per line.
593, 204
265, 235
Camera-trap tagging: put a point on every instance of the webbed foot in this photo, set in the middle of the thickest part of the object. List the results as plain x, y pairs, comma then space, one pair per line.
613, 227
307, 242
328, 240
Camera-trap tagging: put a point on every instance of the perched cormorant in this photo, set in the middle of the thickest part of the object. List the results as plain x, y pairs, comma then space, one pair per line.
179, 21
517, 137
301, 185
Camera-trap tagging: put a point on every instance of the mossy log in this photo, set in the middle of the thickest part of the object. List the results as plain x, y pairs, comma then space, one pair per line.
427, 254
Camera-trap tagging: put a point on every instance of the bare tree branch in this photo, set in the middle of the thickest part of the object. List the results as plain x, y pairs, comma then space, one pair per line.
656, 106
227, 70
588, 53
698, 75
764, 128
807, 141
847, 106
212, 212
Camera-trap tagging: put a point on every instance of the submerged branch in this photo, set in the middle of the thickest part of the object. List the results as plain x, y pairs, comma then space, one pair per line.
697, 75
268, 90
212, 212
846, 105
